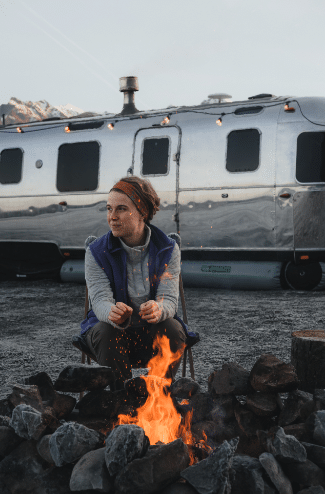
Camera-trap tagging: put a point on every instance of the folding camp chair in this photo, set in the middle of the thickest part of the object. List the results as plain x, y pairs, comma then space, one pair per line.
192, 338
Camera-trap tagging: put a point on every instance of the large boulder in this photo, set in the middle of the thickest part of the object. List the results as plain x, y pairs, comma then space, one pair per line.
223, 408
124, 444
271, 375
27, 422
231, 379
248, 475
297, 407
84, 378
201, 404
316, 427
90, 473
211, 475
106, 403
71, 441
159, 467
28, 395
286, 449
184, 388
248, 422
262, 404
276, 474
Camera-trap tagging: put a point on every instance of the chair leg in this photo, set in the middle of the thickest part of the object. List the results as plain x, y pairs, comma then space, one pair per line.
190, 359
184, 362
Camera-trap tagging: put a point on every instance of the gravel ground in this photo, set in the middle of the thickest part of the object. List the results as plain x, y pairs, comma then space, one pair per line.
38, 319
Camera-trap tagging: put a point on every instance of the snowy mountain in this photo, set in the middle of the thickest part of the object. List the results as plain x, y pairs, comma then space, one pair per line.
37, 111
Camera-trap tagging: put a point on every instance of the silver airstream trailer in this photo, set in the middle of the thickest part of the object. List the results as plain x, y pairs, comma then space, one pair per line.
242, 182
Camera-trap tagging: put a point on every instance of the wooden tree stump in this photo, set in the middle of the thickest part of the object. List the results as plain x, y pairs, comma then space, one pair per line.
308, 358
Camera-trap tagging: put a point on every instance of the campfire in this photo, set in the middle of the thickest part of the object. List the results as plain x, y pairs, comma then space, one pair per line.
149, 441
159, 417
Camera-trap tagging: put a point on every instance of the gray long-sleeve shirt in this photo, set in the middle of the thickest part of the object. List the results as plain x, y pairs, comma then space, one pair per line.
101, 294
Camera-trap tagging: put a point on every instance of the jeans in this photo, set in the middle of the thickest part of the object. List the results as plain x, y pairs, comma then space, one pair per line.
132, 347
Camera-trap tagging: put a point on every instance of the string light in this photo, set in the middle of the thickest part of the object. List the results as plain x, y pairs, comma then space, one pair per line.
166, 120
289, 109
110, 126
219, 121
19, 130
67, 129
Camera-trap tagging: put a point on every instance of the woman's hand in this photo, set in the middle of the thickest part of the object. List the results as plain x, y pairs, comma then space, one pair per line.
119, 313
150, 311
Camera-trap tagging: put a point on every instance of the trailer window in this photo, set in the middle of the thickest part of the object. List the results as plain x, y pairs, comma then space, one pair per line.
243, 150
310, 164
11, 162
155, 154
78, 165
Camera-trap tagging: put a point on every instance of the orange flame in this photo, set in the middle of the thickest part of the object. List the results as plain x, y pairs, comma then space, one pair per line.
158, 416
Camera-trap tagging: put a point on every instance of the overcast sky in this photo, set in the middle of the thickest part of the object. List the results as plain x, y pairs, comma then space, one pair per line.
74, 51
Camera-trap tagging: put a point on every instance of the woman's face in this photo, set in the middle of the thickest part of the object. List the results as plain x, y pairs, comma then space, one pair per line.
124, 219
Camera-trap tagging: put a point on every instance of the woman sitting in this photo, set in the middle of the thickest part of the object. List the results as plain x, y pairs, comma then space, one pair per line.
132, 274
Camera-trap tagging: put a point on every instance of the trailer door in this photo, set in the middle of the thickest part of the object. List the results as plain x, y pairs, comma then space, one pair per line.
156, 158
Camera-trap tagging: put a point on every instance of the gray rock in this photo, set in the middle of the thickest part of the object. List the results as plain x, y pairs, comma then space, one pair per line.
299, 431
27, 422
106, 403
231, 379
62, 404
22, 465
294, 409
184, 388
319, 399
248, 422
71, 441
286, 449
269, 488
312, 490
43, 449
315, 454
28, 395
4, 421
316, 427
224, 408
212, 474
276, 474
201, 404
262, 404
90, 473
124, 444
44, 383
205, 428
8, 441
84, 378
248, 475
158, 468
306, 473
269, 374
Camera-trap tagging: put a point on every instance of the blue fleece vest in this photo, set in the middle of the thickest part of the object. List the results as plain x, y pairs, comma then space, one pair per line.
110, 256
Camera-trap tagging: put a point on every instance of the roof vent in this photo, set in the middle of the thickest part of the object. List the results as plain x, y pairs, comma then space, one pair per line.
217, 98
128, 85
261, 95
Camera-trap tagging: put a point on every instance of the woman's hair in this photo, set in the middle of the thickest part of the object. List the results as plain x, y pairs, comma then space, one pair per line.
146, 192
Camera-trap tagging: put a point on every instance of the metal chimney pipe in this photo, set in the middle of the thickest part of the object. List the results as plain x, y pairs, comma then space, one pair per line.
128, 85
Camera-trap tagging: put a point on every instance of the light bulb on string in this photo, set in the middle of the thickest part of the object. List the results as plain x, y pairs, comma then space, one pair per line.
110, 126
19, 130
166, 120
219, 121
67, 129
289, 109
